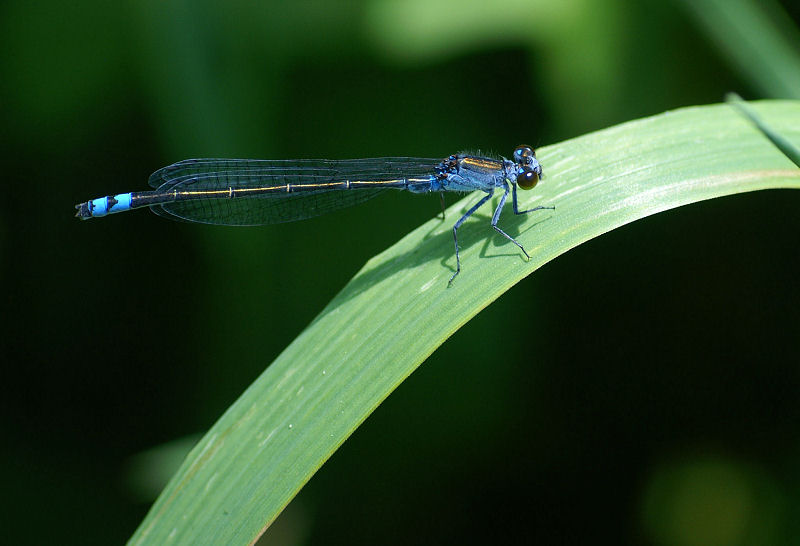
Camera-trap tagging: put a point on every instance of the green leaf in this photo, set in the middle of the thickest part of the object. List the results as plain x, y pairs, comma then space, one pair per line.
398, 309
783, 144
758, 38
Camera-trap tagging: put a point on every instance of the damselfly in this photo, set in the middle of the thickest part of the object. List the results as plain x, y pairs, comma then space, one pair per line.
246, 192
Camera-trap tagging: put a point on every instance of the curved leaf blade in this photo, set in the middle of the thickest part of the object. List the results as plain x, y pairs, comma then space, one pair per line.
397, 310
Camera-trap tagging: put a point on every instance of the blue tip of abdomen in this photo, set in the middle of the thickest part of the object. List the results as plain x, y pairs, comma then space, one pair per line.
106, 205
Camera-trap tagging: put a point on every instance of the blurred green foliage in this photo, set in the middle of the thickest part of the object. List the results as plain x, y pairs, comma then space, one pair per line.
115, 333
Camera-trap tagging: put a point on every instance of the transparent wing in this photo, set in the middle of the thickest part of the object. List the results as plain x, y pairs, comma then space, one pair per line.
304, 176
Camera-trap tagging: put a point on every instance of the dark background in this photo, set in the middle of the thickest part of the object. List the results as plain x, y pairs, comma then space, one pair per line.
641, 389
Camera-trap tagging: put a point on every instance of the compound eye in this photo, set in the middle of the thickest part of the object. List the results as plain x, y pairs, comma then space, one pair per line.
524, 154
527, 179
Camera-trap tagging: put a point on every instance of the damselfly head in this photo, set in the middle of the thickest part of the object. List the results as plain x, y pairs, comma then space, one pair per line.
529, 171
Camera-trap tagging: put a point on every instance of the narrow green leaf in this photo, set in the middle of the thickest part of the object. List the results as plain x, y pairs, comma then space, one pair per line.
758, 37
398, 309
783, 144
